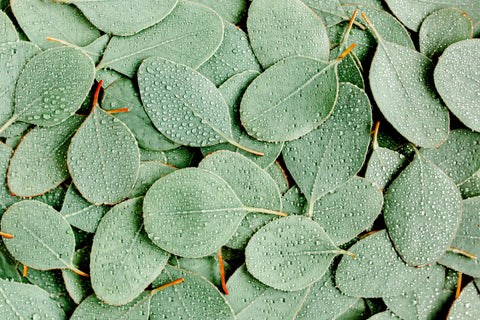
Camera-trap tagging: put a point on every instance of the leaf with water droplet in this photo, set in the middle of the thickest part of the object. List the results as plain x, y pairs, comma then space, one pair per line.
230, 10
96, 48
385, 315
47, 148
252, 185
294, 202
42, 238
422, 212
471, 187
8, 266
467, 305
384, 164
359, 310
376, 263
207, 267
189, 35
456, 79
78, 287
331, 12
193, 297
103, 159
232, 91
25, 301
123, 260
409, 103
54, 198
333, 153
283, 29
234, 56
150, 172
123, 94
41, 19
467, 239
79, 212
8, 33
290, 253
6, 197
443, 28
279, 175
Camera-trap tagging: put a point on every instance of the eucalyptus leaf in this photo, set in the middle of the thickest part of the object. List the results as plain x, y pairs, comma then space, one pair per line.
467, 305
107, 76
110, 159
47, 148
359, 310
8, 33
230, 10
377, 271
95, 49
288, 27
331, 12
466, 239
8, 266
471, 187
124, 17
443, 28
78, 287
476, 30
123, 94
194, 297
123, 260
6, 197
79, 212
333, 153
54, 198
207, 267
234, 56
52, 86
456, 79
290, 253
148, 174
40, 19
189, 35
294, 202
384, 164
422, 212
386, 315
16, 129
25, 301
276, 171
42, 238
179, 157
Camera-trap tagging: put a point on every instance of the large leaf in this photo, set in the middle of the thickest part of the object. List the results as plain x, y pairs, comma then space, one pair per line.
467, 305
334, 152
283, 29
41, 19
47, 148
42, 238
377, 271
456, 79
124, 17
124, 261
20, 301
104, 151
422, 212
189, 35
290, 254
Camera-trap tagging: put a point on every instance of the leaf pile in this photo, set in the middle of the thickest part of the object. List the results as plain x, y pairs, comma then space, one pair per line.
220, 160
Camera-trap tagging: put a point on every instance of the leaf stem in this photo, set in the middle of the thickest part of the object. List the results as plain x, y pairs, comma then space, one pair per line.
239, 146
344, 54
375, 133
167, 285
267, 211
349, 27
118, 110
222, 270
8, 123
81, 273
97, 92
6, 235
25, 270
459, 285
310, 208
463, 253
370, 24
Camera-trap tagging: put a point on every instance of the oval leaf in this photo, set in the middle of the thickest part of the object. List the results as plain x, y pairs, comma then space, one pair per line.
467, 306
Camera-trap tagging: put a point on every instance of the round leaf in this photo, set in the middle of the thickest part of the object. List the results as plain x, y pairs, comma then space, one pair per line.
467, 305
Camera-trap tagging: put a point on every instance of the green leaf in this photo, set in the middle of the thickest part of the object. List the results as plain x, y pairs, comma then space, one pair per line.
386, 315
96, 48
124, 17
458, 155
467, 305
8, 266
189, 35
149, 173
6, 197
40, 19
207, 267
123, 94
23, 301
422, 212
456, 77
471, 187
283, 29
359, 310
290, 99
410, 104
384, 164
276, 171
232, 91
252, 185
234, 56
290, 253
331, 12
8, 33
191, 212
42, 238
13, 58
52, 86
78, 287
428, 301
294, 202
94, 308
47, 148
123, 260
194, 297
54, 198
333, 153
349, 209
411, 12
79, 212
467, 239
104, 151
443, 28
230, 10
179, 157
250, 298
476, 30
377, 271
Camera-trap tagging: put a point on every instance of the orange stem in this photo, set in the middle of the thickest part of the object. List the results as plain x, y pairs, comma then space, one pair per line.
459, 285
97, 92
6, 235
25, 269
167, 285
118, 110
222, 270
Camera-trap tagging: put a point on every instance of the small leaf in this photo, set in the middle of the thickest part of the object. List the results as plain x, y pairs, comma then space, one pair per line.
276, 171
207, 267
8, 33
230, 10
467, 306
385, 315
471, 187
78, 287
384, 164
294, 202
149, 173
6, 197
8, 266
123, 260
